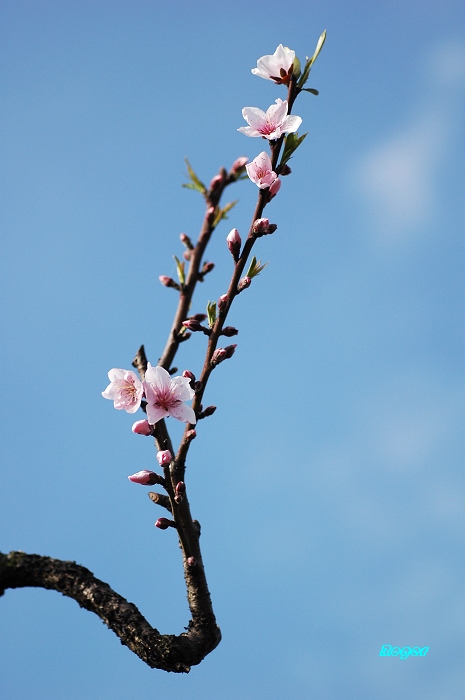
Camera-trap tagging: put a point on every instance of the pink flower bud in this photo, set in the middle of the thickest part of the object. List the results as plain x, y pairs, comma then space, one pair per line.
142, 427
215, 183
164, 523
190, 435
218, 356
180, 491
239, 165
229, 331
185, 240
243, 284
164, 457
192, 325
233, 240
191, 561
274, 188
222, 302
187, 373
261, 227
145, 478
187, 254
168, 282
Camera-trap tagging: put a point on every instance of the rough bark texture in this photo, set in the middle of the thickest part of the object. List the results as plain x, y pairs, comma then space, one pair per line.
168, 652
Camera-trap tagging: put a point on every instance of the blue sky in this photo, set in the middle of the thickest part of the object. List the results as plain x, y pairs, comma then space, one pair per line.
329, 483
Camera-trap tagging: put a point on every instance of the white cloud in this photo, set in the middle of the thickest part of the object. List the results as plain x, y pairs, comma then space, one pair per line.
397, 178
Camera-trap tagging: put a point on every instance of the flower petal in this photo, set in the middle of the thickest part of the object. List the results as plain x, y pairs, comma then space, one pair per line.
155, 413
183, 413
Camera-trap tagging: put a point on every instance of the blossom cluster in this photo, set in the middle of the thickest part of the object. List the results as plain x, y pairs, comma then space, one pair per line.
164, 396
276, 121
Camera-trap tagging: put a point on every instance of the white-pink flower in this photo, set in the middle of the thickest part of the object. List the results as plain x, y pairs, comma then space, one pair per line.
270, 124
277, 67
125, 389
165, 396
260, 172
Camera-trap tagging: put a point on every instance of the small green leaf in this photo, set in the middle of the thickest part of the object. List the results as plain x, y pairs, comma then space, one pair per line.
222, 213
180, 270
310, 61
312, 90
319, 46
211, 313
255, 268
291, 144
196, 183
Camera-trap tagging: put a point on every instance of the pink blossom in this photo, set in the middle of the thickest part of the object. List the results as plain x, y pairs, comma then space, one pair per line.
142, 427
277, 67
271, 124
165, 396
164, 457
125, 390
260, 172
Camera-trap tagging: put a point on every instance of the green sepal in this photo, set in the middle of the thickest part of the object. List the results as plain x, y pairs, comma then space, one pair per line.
180, 270
196, 183
255, 268
223, 213
291, 144
211, 313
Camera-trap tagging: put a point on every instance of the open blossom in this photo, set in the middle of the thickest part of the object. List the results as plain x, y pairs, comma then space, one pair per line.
277, 67
165, 396
260, 172
125, 389
270, 124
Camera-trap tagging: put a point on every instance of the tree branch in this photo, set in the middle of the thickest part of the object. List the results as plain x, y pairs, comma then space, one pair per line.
176, 653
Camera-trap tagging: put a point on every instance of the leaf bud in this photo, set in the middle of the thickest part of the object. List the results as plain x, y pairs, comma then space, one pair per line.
199, 317
190, 435
229, 331
209, 411
207, 267
230, 350
285, 170
187, 255
191, 561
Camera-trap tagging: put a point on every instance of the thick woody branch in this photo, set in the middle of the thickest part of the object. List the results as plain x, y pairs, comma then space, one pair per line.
176, 653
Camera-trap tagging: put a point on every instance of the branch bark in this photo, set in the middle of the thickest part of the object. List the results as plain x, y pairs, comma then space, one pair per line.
175, 653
